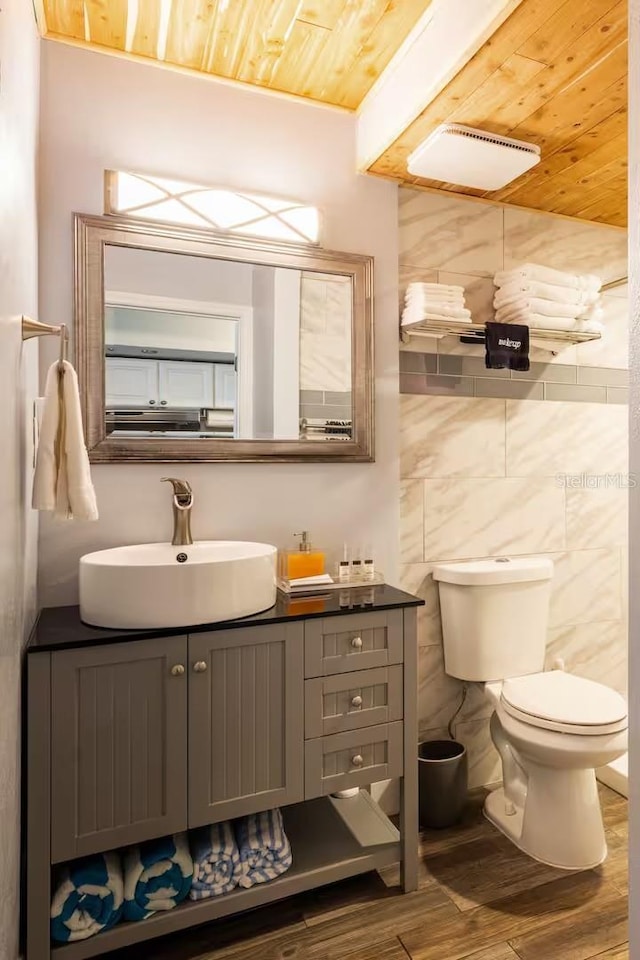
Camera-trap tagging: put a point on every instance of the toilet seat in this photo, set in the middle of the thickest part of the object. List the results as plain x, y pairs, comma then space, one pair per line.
562, 702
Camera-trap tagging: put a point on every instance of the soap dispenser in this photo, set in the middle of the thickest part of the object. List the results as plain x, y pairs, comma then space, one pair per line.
305, 561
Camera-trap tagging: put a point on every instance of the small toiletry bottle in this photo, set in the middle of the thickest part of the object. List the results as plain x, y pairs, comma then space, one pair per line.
368, 566
303, 562
356, 564
344, 572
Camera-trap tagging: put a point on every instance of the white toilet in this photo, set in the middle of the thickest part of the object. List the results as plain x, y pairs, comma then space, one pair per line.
551, 729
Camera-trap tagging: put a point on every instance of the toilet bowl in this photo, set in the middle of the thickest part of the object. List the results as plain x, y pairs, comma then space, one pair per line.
551, 729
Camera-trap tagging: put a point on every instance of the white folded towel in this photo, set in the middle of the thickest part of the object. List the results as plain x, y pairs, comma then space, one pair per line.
537, 320
580, 299
62, 481
548, 308
442, 309
441, 289
534, 271
412, 318
593, 313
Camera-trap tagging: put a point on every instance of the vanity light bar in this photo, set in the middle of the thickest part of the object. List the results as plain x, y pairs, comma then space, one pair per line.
210, 208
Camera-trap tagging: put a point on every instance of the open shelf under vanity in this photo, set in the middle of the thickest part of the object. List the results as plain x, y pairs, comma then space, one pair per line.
331, 839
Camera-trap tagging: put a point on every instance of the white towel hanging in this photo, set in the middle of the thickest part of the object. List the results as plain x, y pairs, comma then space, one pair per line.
62, 482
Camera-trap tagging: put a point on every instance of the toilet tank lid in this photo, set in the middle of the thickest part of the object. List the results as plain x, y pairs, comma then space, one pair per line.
500, 570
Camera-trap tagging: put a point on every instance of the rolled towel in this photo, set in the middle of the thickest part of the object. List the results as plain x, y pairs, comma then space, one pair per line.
88, 897
216, 861
157, 876
535, 271
265, 852
546, 291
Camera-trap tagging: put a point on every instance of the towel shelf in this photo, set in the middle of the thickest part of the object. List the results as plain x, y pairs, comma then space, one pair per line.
439, 328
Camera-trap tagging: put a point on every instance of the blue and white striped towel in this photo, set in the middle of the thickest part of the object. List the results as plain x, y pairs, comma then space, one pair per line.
88, 897
157, 876
216, 861
265, 851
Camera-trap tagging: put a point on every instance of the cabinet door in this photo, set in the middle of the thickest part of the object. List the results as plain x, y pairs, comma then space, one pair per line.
131, 383
225, 386
185, 384
118, 738
246, 731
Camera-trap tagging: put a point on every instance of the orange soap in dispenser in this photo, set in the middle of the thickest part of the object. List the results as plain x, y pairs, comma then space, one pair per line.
303, 562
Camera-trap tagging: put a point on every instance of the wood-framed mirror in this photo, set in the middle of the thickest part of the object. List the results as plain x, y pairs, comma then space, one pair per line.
194, 346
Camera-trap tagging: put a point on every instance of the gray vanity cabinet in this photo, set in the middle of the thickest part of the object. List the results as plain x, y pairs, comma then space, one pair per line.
246, 727
129, 739
118, 734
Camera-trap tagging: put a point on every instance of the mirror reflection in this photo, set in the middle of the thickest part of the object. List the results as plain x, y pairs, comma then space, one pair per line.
197, 347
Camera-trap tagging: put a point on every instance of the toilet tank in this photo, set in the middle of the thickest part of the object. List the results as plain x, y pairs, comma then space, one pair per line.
494, 616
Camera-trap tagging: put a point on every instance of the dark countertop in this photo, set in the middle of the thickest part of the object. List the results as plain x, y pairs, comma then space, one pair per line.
60, 628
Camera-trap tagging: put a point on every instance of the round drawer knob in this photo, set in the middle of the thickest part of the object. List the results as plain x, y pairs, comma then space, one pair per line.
357, 761
200, 666
356, 702
356, 643
177, 670
163, 402
151, 403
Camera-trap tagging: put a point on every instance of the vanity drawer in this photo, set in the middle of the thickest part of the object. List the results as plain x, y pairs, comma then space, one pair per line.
355, 642
350, 701
353, 759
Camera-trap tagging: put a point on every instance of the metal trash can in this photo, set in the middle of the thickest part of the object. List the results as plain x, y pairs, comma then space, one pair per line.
442, 780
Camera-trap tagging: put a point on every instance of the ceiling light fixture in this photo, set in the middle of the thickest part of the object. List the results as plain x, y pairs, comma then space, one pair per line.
472, 158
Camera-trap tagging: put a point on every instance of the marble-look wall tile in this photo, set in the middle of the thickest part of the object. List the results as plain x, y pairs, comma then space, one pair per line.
450, 233
440, 696
416, 578
484, 761
597, 651
575, 246
548, 439
612, 350
492, 517
596, 517
411, 521
325, 362
478, 293
586, 587
451, 437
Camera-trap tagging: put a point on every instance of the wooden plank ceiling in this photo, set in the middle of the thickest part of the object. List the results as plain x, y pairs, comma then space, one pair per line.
327, 50
554, 74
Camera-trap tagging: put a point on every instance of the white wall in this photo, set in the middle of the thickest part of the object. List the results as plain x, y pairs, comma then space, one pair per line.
176, 275
634, 497
18, 368
99, 112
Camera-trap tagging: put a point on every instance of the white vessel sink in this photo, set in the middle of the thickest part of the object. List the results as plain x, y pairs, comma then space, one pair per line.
146, 585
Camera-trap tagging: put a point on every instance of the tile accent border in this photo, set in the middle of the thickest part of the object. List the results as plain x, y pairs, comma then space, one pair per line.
462, 376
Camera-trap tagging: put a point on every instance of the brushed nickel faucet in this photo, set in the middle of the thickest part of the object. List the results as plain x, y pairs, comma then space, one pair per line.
182, 504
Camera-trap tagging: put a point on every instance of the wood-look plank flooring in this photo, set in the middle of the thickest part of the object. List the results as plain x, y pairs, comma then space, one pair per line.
479, 899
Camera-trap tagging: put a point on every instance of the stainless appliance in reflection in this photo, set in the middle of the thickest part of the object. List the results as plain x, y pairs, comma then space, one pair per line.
142, 422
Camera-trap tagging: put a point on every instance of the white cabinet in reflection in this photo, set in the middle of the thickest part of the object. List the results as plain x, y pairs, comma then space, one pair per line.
159, 383
225, 378
185, 384
131, 383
